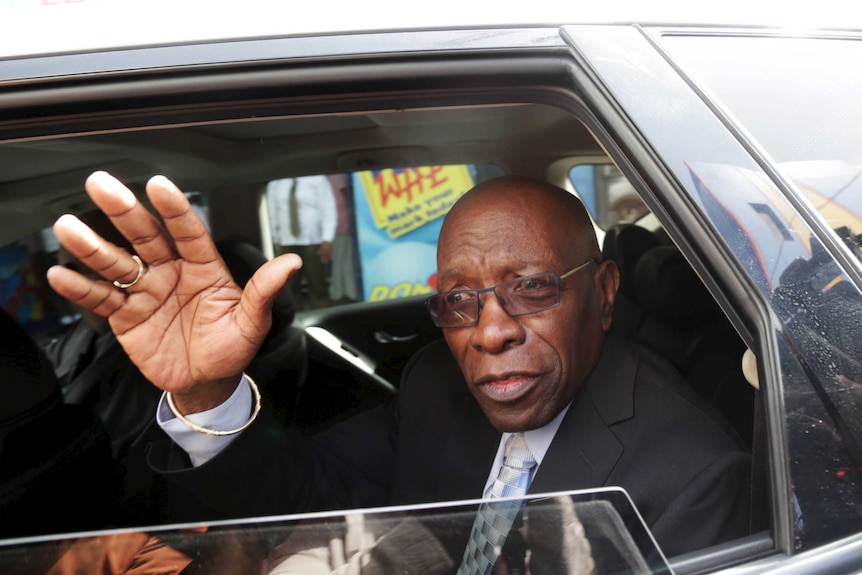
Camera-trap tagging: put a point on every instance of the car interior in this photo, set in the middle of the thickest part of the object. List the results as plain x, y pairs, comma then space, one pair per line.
318, 366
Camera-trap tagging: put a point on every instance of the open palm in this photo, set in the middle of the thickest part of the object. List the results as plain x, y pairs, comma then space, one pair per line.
186, 324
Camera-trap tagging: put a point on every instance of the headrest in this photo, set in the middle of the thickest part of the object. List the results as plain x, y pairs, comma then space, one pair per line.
242, 259
668, 287
625, 244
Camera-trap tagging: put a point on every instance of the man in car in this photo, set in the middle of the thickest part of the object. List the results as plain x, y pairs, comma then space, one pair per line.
525, 306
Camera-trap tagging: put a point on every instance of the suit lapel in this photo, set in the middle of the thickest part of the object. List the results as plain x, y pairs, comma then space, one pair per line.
582, 454
584, 450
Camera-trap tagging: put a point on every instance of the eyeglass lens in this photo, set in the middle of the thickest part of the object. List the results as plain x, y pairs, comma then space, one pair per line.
518, 296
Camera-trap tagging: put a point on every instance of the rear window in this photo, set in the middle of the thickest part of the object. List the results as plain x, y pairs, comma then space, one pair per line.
607, 194
386, 225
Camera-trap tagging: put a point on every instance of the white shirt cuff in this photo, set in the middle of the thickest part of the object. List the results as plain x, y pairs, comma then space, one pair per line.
201, 447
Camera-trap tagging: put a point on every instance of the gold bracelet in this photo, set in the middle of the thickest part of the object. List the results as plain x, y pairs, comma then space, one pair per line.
206, 431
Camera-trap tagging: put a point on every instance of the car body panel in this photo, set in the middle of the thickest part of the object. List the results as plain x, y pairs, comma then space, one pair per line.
31, 27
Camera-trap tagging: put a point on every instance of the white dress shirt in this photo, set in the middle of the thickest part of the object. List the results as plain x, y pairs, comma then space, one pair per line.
202, 447
317, 211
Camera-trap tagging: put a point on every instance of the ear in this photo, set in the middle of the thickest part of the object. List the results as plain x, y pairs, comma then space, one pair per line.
608, 278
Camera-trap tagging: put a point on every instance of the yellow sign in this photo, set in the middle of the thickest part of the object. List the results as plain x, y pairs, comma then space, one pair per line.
403, 200
403, 289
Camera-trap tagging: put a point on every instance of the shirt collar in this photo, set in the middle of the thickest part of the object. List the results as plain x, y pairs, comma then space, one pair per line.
538, 441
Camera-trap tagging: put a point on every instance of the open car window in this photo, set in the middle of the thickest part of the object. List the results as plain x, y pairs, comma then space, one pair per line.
393, 216
821, 155
321, 365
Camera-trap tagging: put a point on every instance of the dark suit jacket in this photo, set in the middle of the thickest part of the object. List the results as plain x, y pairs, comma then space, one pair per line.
93, 371
634, 424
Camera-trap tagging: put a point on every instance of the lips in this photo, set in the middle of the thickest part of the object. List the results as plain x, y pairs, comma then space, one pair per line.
506, 387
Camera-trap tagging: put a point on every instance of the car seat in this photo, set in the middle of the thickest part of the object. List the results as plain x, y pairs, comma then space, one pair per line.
683, 323
663, 305
625, 244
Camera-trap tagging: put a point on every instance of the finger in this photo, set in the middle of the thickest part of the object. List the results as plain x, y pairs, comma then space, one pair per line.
336, 553
190, 235
355, 533
260, 291
98, 297
103, 257
130, 217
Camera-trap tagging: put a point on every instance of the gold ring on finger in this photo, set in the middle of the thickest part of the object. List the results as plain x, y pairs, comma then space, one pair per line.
142, 267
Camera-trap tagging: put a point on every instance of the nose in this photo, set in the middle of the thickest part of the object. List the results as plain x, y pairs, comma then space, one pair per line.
496, 331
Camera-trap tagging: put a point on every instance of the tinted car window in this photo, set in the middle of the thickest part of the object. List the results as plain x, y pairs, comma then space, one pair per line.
799, 98
796, 98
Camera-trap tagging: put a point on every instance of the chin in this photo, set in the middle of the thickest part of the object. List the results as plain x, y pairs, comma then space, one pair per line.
514, 424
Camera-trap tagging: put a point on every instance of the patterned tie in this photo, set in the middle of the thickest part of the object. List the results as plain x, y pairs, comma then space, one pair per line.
495, 518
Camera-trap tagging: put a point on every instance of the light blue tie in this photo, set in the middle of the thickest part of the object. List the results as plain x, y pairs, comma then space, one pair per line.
494, 518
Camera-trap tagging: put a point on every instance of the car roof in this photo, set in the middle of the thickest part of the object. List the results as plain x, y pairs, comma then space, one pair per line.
64, 26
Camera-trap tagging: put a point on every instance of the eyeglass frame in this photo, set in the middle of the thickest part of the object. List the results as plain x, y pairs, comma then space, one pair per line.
480, 303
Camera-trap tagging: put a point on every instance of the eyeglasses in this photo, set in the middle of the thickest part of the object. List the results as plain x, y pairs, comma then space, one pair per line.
519, 296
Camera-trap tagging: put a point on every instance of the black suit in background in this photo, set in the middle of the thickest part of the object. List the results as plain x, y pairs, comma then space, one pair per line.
634, 424
93, 371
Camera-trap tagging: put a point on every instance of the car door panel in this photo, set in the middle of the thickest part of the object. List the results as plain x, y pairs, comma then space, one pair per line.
356, 354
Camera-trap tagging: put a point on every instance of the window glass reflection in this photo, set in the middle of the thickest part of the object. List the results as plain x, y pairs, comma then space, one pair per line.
799, 99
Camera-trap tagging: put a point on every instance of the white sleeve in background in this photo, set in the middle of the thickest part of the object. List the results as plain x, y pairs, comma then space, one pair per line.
328, 210
277, 208
201, 447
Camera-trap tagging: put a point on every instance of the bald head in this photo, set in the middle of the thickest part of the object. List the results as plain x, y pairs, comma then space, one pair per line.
520, 189
535, 207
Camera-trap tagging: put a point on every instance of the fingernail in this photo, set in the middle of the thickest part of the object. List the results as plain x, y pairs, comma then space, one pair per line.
114, 186
163, 182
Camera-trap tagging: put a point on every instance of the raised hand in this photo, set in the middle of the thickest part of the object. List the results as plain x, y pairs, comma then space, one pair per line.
185, 323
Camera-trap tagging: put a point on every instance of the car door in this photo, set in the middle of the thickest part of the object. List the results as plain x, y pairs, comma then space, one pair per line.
753, 239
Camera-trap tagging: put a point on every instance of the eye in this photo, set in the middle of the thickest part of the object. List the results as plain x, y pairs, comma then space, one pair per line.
531, 283
454, 298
